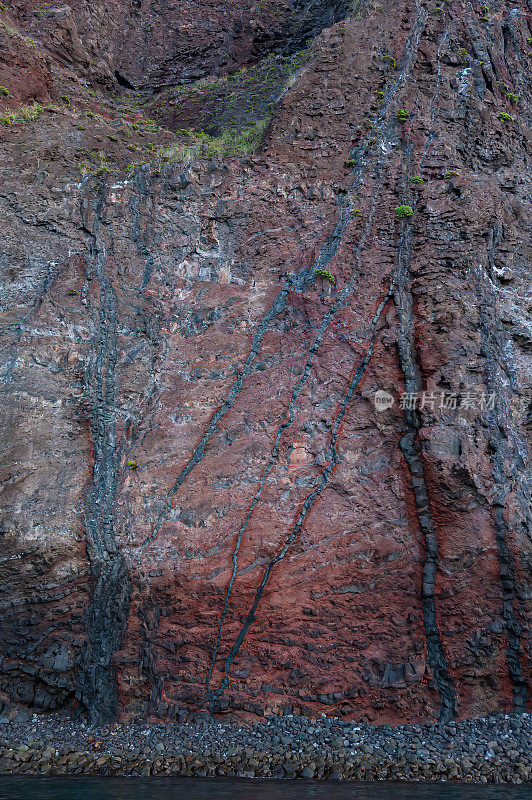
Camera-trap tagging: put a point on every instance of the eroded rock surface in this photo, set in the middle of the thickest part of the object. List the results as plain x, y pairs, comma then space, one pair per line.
202, 507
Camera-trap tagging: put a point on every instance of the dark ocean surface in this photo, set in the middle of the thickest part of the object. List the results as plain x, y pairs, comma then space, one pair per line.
91, 788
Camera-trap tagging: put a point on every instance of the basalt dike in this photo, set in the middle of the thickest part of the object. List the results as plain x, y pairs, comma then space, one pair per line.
266, 359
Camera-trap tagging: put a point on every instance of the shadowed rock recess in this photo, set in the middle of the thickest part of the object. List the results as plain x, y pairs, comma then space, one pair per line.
205, 281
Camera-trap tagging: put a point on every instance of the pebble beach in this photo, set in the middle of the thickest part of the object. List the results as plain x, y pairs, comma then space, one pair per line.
495, 749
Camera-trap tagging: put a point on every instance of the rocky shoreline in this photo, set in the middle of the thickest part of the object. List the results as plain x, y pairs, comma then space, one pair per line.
495, 749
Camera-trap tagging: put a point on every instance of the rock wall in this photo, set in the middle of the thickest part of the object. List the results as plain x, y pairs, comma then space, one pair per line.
202, 507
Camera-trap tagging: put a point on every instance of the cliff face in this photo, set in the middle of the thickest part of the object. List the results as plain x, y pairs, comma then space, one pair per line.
202, 506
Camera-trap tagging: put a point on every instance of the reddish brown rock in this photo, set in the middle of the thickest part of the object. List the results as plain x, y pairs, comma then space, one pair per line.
203, 507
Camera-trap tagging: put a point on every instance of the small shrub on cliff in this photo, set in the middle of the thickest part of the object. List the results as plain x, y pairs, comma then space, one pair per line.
511, 97
463, 54
416, 179
403, 212
4, 91
8, 119
356, 212
402, 115
452, 173
132, 464
389, 60
504, 117
325, 274
379, 94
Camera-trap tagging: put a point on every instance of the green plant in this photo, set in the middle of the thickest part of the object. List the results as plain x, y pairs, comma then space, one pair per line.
511, 97
504, 117
416, 179
66, 99
389, 59
8, 119
485, 9
2, 7
529, 40
379, 94
356, 212
402, 115
22, 114
4, 91
463, 54
132, 464
403, 212
28, 113
452, 173
72, 292
485, 19
325, 274
112, 138
351, 162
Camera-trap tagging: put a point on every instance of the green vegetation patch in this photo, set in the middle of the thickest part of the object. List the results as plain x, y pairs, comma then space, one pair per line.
232, 103
325, 274
22, 114
231, 144
403, 212
402, 115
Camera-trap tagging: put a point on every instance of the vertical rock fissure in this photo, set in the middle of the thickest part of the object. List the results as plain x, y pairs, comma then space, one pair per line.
498, 435
308, 503
409, 366
140, 195
109, 601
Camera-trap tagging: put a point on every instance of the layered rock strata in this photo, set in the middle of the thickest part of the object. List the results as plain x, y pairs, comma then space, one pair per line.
203, 508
